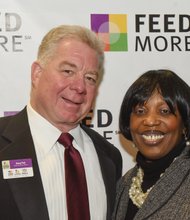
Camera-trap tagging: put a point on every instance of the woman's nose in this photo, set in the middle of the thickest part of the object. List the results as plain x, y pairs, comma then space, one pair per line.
151, 120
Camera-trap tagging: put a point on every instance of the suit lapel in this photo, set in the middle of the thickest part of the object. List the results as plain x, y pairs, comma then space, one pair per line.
28, 192
107, 169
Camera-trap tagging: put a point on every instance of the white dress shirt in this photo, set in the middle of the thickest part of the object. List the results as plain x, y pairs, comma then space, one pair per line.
50, 156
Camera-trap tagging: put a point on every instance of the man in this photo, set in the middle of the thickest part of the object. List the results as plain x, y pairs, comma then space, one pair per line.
65, 80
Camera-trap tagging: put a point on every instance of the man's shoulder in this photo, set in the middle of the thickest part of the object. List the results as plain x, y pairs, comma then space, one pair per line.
99, 140
94, 134
5, 120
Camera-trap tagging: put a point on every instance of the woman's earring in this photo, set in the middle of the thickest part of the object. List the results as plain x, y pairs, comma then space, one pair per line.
187, 143
186, 139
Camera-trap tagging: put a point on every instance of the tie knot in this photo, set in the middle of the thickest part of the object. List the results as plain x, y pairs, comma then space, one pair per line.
66, 139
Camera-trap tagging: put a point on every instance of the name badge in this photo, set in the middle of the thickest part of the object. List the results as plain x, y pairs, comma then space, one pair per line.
20, 168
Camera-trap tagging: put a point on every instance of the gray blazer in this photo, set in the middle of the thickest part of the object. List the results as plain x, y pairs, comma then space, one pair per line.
168, 200
23, 198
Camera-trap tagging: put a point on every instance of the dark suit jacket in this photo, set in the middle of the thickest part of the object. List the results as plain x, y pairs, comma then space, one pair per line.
23, 198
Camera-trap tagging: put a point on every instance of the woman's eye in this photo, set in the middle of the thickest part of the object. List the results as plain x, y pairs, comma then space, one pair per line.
139, 111
165, 111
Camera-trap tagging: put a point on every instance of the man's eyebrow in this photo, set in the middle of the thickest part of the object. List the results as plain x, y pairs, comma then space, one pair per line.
68, 63
93, 72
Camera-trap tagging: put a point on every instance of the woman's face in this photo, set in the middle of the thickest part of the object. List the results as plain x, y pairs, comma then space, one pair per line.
155, 130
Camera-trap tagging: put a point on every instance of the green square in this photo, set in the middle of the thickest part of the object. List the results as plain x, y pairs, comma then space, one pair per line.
118, 42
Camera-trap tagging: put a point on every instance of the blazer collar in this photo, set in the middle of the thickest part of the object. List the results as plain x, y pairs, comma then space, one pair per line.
166, 186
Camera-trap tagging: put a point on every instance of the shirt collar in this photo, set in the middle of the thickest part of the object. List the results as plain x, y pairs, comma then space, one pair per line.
78, 136
42, 130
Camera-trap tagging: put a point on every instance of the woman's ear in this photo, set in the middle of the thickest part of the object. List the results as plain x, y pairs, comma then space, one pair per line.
184, 132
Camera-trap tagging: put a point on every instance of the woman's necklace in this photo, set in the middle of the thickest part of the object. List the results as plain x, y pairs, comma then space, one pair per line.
135, 192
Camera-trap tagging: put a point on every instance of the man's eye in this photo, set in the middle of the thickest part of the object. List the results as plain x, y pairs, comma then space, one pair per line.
91, 79
68, 71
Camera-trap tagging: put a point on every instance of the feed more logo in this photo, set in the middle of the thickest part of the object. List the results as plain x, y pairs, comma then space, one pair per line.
112, 29
162, 32
11, 37
146, 32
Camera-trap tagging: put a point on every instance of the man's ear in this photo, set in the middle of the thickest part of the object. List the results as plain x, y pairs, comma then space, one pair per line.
36, 71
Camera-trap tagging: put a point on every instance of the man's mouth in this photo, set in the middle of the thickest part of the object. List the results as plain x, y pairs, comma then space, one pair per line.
71, 101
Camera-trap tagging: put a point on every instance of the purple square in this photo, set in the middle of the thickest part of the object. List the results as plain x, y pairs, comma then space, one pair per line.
100, 20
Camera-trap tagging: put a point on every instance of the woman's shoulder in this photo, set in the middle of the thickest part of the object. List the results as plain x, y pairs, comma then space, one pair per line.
127, 177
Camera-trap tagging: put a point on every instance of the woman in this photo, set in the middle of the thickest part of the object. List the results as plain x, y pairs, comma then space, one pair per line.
155, 115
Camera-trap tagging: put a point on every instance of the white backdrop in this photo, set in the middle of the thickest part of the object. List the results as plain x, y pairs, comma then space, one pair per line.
158, 36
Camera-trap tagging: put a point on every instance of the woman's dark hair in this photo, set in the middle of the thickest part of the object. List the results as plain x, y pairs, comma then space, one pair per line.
174, 90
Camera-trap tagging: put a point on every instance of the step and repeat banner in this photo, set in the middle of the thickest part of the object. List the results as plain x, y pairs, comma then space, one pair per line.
138, 36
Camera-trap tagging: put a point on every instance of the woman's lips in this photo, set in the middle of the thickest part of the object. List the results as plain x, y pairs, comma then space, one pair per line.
152, 136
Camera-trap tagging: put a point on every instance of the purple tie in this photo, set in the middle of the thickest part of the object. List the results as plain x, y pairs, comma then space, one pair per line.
76, 187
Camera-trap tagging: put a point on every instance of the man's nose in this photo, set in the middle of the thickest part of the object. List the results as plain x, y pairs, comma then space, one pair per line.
79, 84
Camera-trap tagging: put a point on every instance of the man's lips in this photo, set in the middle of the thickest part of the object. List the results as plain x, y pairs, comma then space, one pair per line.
72, 101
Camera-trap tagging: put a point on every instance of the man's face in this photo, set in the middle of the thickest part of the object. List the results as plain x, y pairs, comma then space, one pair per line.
64, 89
